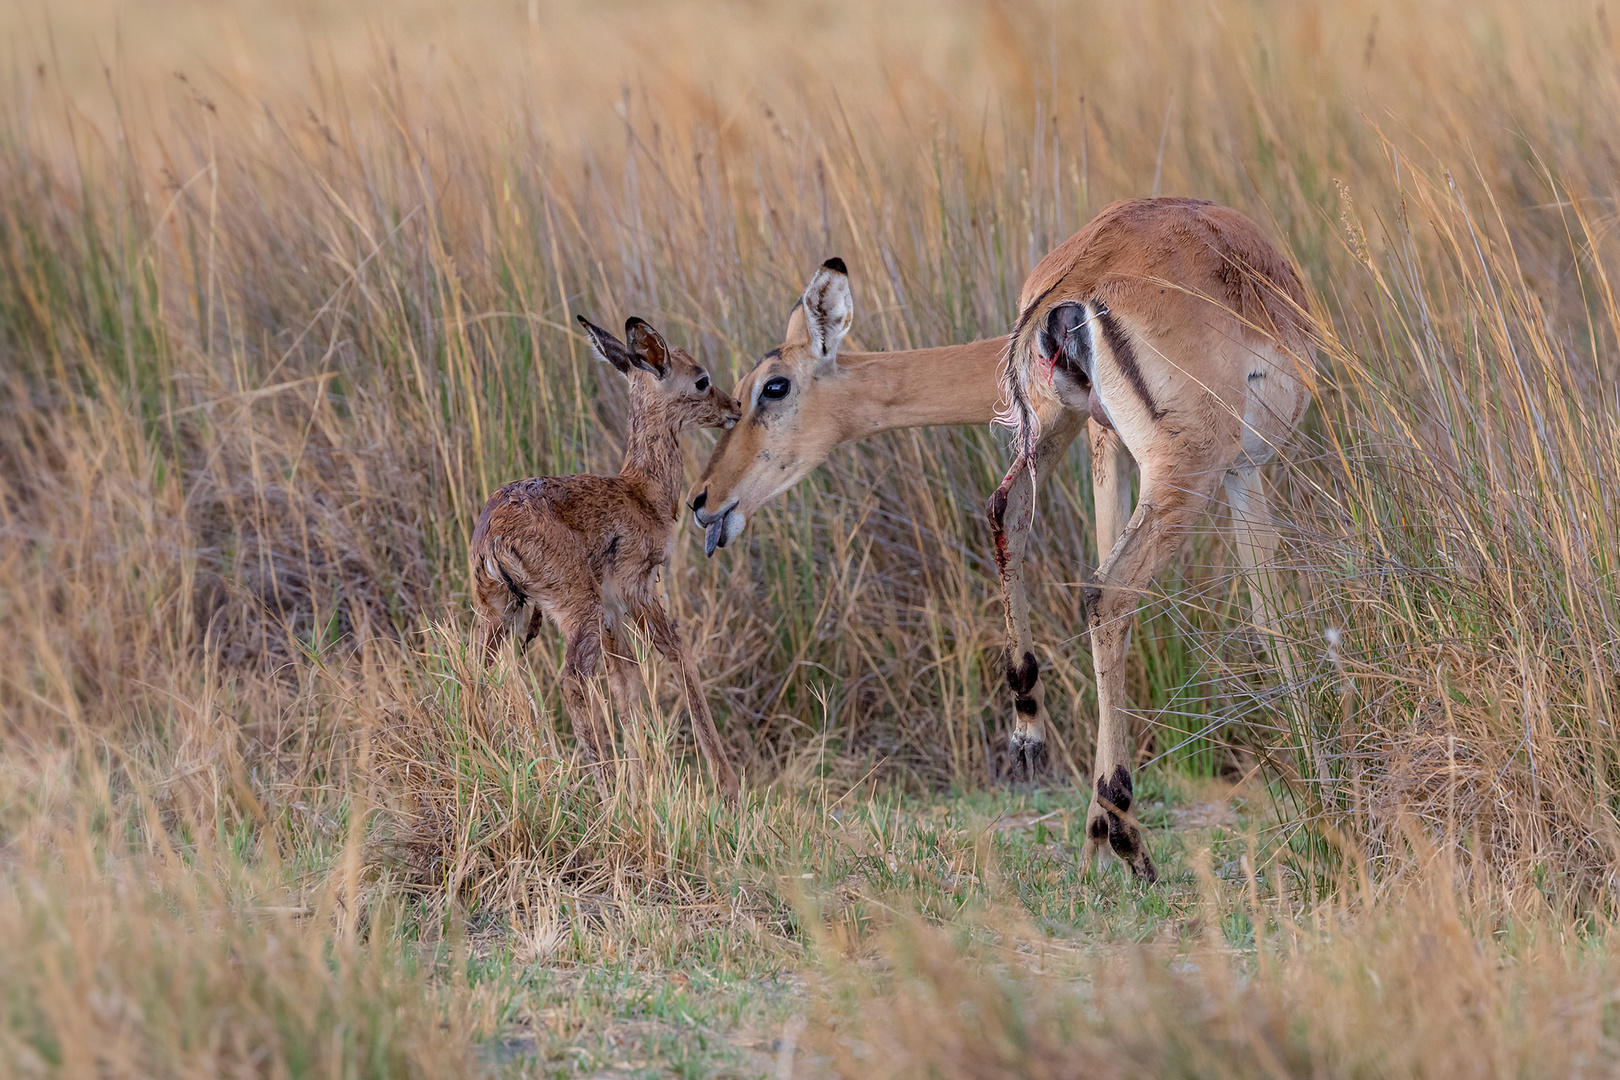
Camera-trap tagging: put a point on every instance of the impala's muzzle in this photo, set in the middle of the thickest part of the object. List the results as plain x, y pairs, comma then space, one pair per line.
719, 528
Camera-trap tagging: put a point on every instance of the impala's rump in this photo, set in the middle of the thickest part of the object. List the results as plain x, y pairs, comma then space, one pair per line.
524, 551
1131, 293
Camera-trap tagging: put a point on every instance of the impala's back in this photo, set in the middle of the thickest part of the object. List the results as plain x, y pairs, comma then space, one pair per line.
1159, 318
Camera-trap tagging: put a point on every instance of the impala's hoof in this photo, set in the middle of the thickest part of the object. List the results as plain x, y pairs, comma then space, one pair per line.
1027, 758
1108, 820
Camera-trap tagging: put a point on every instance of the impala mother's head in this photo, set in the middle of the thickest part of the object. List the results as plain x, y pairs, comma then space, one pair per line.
792, 415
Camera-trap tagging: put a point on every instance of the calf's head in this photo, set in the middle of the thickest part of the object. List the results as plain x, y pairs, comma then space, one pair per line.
663, 377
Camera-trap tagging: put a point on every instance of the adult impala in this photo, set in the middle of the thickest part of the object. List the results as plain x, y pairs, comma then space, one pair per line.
1172, 328
1183, 334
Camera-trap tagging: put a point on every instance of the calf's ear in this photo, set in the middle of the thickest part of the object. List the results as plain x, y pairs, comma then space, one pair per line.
648, 346
607, 348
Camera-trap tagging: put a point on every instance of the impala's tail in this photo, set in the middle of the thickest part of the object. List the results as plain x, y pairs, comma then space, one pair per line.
1015, 411
1024, 395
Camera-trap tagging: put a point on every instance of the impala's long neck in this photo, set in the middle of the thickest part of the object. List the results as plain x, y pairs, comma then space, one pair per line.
652, 456
952, 384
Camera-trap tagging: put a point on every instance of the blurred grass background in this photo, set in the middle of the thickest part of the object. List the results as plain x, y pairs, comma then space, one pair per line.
286, 290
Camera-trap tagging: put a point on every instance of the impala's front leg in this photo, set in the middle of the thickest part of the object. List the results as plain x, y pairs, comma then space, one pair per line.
1011, 513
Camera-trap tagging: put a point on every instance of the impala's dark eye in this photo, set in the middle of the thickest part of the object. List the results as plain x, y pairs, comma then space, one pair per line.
702, 383
775, 389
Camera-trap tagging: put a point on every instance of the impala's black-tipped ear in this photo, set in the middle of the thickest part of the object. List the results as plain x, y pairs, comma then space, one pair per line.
795, 331
607, 348
829, 309
648, 346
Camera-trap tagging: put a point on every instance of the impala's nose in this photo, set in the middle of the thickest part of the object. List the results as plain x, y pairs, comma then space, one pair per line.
720, 527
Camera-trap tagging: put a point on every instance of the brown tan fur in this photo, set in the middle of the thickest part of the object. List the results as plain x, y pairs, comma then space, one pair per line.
832, 397
1182, 334
1203, 301
586, 551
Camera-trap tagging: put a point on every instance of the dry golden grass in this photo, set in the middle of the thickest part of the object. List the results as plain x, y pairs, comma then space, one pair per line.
286, 290
1403, 990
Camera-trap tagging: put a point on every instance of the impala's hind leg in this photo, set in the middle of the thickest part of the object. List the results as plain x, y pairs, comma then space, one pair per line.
1256, 539
1010, 511
1170, 505
673, 649
1110, 487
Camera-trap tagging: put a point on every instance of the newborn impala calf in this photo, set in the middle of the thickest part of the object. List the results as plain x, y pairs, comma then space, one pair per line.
585, 551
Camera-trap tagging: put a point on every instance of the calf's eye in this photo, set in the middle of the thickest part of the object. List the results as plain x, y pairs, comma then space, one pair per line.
703, 384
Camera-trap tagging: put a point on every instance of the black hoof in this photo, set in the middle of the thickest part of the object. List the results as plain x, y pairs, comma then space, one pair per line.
1115, 793
1027, 758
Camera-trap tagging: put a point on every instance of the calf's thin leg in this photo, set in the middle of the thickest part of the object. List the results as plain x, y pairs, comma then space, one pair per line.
584, 637
487, 639
673, 649
624, 682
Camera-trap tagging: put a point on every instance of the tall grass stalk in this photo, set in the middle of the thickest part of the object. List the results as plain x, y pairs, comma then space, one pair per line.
277, 313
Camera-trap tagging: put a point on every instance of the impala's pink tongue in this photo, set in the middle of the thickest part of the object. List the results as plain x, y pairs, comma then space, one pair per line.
714, 535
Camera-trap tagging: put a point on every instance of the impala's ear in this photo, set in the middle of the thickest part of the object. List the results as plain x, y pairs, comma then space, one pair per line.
648, 345
607, 348
797, 333
827, 310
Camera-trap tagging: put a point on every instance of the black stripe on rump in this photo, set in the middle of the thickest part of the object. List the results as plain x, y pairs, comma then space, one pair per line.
1124, 355
1029, 312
